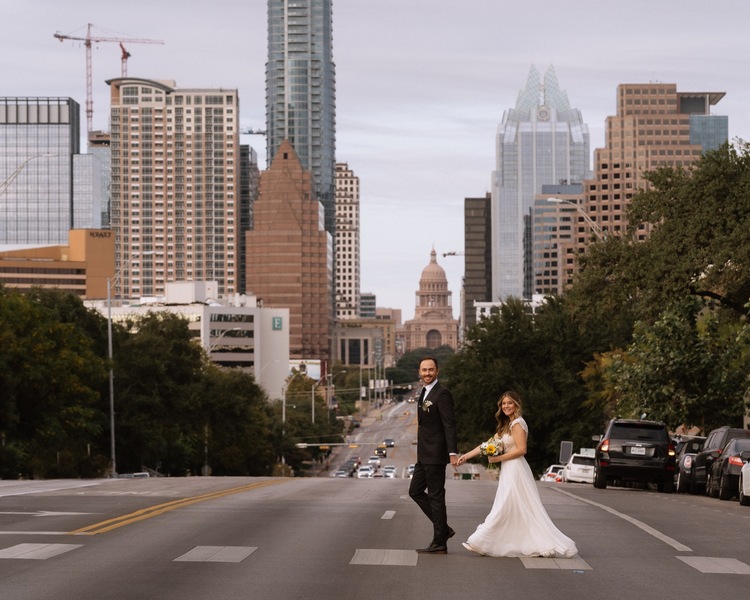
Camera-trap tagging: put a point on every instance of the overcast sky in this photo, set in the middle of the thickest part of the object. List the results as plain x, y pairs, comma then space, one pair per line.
421, 86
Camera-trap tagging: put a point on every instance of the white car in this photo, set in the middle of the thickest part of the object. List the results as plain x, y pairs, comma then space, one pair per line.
579, 468
390, 471
374, 461
551, 473
365, 472
744, 491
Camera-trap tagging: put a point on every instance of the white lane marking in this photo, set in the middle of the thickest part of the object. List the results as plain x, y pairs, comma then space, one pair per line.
574, 563
707, 564
389, 514
640, 524
45, 513
34, 532
232, 554
396, 558
37, 551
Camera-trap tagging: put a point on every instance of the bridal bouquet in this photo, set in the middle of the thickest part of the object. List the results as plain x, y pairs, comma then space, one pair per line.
492, 447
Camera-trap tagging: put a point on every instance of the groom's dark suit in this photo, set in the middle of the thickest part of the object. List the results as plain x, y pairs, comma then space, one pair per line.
436, 440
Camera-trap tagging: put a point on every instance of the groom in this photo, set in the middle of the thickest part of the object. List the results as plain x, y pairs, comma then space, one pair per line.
436, 447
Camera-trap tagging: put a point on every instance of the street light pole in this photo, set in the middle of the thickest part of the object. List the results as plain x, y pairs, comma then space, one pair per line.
589, 221
283, 422
110, 282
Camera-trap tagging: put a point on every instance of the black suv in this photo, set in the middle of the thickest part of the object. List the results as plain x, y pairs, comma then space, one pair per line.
715, 442
635, 450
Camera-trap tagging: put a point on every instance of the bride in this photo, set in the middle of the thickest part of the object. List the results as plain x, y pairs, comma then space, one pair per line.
518, 524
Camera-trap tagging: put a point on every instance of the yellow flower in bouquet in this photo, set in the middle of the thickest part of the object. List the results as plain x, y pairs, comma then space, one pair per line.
492, 447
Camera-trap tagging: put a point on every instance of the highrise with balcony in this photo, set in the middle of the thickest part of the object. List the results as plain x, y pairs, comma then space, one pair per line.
540, 141
176, 186
300, 91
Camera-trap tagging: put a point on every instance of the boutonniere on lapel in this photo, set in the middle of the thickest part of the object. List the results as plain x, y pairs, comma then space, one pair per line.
426, 405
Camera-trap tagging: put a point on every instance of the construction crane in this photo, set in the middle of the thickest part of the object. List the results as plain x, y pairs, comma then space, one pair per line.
125, 56
452, 254
87, 41
252, 131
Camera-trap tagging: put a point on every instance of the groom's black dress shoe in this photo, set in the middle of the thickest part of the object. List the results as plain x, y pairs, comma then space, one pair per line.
434, 549
451, 533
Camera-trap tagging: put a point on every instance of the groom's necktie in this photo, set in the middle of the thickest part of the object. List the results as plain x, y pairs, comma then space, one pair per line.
421, 397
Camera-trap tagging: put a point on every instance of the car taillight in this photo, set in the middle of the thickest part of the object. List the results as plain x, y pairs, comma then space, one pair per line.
605, 446
670, 450
736, 461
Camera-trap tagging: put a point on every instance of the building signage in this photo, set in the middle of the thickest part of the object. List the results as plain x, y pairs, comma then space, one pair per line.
277, 324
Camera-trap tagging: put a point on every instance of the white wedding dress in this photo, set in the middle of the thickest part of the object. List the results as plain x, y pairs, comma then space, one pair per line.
518, 524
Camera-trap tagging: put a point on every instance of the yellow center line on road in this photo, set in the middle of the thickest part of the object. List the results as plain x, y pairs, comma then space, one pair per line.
153, 511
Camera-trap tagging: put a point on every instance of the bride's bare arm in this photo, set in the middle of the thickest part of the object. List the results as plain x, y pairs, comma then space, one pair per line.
519, 437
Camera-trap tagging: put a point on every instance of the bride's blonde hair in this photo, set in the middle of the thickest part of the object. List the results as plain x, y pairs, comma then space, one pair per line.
503, 421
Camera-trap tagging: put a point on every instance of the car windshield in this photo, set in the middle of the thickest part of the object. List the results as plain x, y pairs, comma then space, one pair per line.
626, 431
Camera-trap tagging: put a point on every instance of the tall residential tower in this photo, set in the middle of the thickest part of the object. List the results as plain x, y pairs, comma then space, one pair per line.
300, 91
347, 243
176, 184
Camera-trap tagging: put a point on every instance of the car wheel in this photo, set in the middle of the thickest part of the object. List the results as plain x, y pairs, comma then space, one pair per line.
744, 500
682, 485
600, 480
710, 487
725, 491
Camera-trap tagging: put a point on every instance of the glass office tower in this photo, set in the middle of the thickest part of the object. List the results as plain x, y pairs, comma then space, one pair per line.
541, 141
300, 91
38, 140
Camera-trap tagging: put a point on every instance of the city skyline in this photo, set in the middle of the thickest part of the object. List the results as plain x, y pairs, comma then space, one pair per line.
421, 88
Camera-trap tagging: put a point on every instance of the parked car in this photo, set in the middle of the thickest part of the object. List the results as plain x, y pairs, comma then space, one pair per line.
724, 476
744, 483
715, 442
686, 450
635, 450
579, 468
551, 472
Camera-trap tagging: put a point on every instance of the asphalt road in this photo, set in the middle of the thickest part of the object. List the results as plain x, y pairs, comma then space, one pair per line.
330, 538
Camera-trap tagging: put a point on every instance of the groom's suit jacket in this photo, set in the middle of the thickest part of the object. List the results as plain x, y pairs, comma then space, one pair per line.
436, 437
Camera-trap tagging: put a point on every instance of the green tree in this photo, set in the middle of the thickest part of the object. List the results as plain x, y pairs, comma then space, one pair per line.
235, 416
157, 369
682, 370
50, 382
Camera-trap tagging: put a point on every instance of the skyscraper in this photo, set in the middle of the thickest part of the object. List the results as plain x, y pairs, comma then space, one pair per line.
540, 141
289, 255
655, 126
477, 257
176, 183
347, 243
300, 91
39, 152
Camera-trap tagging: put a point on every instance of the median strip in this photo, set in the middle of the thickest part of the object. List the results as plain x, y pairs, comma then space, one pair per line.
153, 511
